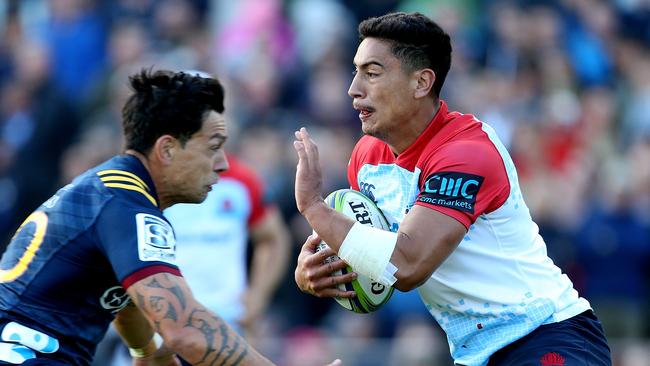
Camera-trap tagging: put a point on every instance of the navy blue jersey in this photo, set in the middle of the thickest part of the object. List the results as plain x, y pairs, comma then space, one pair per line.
64, 274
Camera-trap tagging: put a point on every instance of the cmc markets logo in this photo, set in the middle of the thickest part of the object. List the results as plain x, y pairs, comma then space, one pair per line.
451, 189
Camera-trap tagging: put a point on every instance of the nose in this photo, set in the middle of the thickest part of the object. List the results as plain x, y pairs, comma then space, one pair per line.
221, 163
355, 89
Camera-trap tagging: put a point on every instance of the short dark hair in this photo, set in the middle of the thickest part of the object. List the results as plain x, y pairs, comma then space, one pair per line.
167, 103
417, 41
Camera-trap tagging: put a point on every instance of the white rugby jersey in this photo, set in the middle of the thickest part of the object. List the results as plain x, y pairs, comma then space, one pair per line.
212, 238
499, 284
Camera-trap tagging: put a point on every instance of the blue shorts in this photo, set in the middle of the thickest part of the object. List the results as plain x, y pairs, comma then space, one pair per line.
577, 341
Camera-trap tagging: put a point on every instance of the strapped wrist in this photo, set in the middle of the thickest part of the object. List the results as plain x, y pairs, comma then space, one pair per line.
368, 251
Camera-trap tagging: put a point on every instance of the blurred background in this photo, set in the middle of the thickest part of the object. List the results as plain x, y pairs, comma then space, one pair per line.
565, 83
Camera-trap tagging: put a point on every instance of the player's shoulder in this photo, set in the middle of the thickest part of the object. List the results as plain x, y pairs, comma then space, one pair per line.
466, 142
466, 131
367, 142
370, 149
124, 178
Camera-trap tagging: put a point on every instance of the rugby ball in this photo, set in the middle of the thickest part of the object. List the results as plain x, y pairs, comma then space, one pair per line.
371, 295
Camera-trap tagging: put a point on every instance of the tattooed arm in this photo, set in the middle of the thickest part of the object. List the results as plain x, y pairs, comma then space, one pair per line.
187, 327
136, 332
133, 327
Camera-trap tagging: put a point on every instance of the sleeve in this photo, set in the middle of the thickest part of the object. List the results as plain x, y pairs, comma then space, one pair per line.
254, 186
138, 242
464, 180
259, 205
353, 165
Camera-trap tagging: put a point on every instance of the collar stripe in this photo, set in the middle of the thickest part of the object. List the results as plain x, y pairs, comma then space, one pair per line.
122, 172
132, 188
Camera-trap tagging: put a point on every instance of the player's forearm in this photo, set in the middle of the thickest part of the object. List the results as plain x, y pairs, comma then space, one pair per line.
330, 225
208, 340
133, 326
271, 254
267, 271
189, 329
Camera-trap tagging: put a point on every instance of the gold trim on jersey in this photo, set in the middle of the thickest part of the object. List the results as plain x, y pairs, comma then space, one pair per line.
113, 178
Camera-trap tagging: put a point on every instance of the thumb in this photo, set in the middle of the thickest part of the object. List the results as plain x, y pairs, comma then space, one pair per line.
312, 242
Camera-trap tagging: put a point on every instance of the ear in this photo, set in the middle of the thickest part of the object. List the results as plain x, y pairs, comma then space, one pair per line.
165, 148
424, 80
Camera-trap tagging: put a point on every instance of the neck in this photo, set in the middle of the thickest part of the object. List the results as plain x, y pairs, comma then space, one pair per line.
413, 128
143, 159
156, 177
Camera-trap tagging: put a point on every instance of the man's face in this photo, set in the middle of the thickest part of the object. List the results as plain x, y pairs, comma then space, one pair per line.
195, 166
382, 91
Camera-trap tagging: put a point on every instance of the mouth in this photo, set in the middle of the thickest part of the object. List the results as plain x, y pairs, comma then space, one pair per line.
209, 186
365, 112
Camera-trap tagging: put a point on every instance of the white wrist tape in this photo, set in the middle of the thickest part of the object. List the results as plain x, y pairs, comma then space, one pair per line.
368, 250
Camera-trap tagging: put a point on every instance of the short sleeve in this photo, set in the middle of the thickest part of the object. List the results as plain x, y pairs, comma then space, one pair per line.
256, 190
464, 179
138, 242
353, 170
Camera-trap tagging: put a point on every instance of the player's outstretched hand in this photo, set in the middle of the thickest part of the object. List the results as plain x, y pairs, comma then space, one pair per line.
309, 178
313, 276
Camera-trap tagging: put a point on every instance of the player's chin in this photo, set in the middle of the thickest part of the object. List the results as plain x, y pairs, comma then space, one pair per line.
199, 196
366, 127
204, 195
369, 129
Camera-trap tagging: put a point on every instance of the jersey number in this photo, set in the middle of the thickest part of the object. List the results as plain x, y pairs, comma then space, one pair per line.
39, 218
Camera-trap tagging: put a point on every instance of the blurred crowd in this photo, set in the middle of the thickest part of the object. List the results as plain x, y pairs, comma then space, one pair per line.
565, 83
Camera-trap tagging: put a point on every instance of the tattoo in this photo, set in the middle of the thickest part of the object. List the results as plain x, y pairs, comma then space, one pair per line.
139, 299
166, 299
200, 319
232, 351
177, 291
241, 356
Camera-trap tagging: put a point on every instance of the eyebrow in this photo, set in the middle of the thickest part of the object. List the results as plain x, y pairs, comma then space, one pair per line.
369, 63
218, 136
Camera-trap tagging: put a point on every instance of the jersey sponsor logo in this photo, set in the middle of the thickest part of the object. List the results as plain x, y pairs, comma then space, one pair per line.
15, 353
551, 359
114, 299
156, 240
32, 338
451, 189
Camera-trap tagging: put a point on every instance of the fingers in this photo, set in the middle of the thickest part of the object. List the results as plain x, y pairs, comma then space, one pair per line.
311, 243
315, 271
305, 146
334, 292
322, 279
331, 283
310, 146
